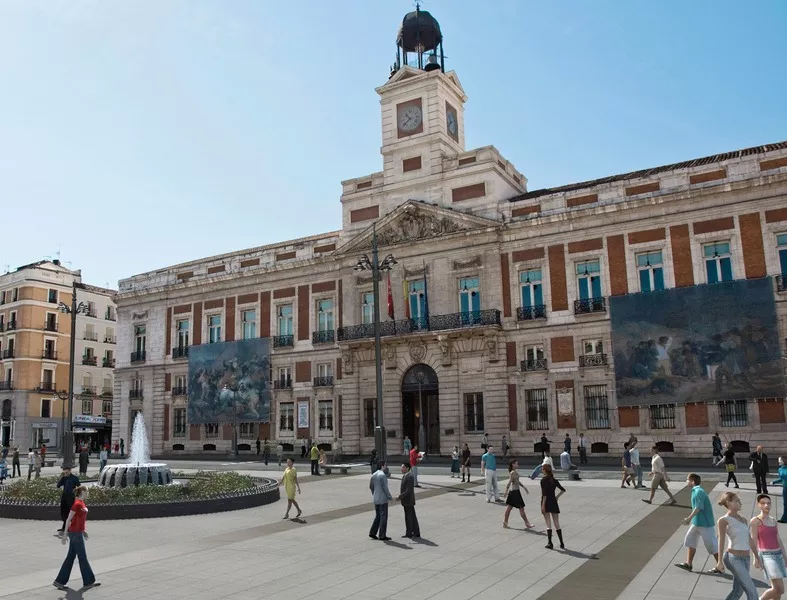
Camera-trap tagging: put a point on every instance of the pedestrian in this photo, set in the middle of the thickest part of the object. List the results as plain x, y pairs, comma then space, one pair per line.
322, 461
378, 485
783, 481
565, 462
15, 467
84, 461
567, 444
414, 460
373, 461
42, 452
69, 482
544, 445
504, 446
258, 444
290, 482
759, 466
549, 505
717, 448
117, 449
466, 463
547, 460
730, 464
31, 463
701, 525
37, 464
583, 450
658, 473
4, 452
3, 469
102, 459
513, 495
77, 535
628, 470
314, 457
485, 442
122, 448
408, 445
455, 462
407, 499
266, 451
303, 448
765, 531
636, 465
489, 470
737, 557
279, 452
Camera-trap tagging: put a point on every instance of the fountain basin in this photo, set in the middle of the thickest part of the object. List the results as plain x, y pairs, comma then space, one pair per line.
127, 475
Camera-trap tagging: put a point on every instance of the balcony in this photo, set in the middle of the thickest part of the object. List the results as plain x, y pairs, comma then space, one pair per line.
180, 390
137, 357
92, 313
90, 361
481, 318
781, 282
107, 393
6, 386
326, 381
180, 352
108, 363
88, 390
135, 394
110, 316
50, 326
323, 337
538, 364
590, 305
110, 339
593, 360
90, 336
282, 384
531, 313
46, 386
11, 326
49, 354
8, 353
283, 341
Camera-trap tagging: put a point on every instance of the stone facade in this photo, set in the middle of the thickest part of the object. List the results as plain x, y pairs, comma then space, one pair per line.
457, 216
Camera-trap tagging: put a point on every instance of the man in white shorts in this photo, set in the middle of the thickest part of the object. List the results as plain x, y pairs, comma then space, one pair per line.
701, 525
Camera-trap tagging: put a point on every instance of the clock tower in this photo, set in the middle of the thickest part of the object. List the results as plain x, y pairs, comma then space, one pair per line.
422, 106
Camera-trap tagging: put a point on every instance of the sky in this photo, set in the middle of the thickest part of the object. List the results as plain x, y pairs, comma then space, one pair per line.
137, 135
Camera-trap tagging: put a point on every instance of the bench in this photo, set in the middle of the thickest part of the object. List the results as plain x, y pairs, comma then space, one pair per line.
343, 469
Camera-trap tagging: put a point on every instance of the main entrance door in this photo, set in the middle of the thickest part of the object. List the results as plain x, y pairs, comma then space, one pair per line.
421, 408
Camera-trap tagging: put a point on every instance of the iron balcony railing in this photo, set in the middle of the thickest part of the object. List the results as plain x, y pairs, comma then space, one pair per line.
108, 363
179, 390
91, 336
6, 385
109, 316
88, 390
283, 341
50, 326
323, 337
49, 354
590, 305
46, 386
8, 353
282, 384
593, 360
107, 392
110, 339
538, 364
92, 313
11, 325
180, 352
138, 356
135, 394
325, 381
530, 313
781, 282
480, 318
90, 361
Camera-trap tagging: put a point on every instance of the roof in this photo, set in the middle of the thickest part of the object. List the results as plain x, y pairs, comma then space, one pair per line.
95, 289
696, 162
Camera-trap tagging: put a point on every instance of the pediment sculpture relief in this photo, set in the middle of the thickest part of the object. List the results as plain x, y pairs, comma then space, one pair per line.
417, 225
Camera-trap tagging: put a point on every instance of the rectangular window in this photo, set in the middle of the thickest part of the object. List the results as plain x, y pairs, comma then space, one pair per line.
179, 423
140, 339
367, 308
2, 297
650, 266
247, 430
591, 347
110, 315
531, 288
46, 408
718, 261
285, 319
662, 416
214, 329
284, 378
534, 352
90, 332
325, 315
733, 413
249, 323
109, 336
326, 415
589, 280
537, 409
596, 407
15, 295
91, 309
474, 412
53, 296
417, 302
781, 244
182, 328
287, 416
211, 430
87, 406
106, 408
51, 321
369, 416
107, 388
325, 370
469, 300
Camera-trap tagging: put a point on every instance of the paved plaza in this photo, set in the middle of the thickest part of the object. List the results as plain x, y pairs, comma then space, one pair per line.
617, 547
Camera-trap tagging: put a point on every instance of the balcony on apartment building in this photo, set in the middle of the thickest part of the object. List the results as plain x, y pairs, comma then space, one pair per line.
50, 326
11, 325
91, 312
110, 315
531, 313
538, 364
90, 361
6, 385
180, 390
91, 336
88, 390
781, 282
593, 360
8, 353
47, 386
180, 352
108, 363
135, 394
461, 320
590, 305
107, 392
110, 339
282, 383
323, 337
137, 357
324, 381
283, 341
49, 354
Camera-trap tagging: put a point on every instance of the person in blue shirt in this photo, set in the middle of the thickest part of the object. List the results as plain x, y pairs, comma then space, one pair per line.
701, 525
489, 471
783, 481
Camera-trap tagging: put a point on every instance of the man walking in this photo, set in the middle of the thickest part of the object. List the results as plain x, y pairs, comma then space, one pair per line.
258, 446
279, 452
407, 499
378, 485
408, 445
635, 464
717, 449
628, 471
544, 445
489, 470
583, 450
266, 451
760, 469
701, 525
69, 482
414, 464
16, 468
31, 463
314, 456
103, 455
659, 474
567, 444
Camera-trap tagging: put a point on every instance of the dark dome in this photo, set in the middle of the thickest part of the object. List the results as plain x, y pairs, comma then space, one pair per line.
419, 27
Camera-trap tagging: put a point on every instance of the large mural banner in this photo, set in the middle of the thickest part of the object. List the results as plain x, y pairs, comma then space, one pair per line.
701, 343
230, 381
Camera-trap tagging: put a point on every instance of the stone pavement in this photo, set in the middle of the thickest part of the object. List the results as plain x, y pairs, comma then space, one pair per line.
618, 547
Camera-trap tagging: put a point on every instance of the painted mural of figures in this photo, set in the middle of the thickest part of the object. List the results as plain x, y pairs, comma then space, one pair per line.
665, 362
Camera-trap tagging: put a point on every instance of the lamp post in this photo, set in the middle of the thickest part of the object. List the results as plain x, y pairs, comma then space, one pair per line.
226, 391
376, 267
73, 310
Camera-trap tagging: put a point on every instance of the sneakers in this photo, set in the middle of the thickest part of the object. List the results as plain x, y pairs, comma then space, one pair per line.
91, 585
60, 586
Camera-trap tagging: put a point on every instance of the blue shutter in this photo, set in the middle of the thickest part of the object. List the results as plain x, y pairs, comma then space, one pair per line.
644, 280
595, 283
710, 269
584, 292
658, 278
414, 314
475, 300
526, 296
538, 295
783, 261
726, 268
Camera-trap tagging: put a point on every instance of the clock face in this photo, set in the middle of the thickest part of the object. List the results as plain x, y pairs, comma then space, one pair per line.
451, 118
410, 118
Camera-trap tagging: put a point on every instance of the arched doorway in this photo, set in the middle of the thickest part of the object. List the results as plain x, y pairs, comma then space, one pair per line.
421, 408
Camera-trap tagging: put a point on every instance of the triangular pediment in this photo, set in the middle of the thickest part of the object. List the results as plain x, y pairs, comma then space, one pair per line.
414, 221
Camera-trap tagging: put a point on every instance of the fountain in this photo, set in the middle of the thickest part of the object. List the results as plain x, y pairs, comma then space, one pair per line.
139, 470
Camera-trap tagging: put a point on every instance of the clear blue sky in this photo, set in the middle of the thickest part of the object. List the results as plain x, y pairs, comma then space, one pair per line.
136, 135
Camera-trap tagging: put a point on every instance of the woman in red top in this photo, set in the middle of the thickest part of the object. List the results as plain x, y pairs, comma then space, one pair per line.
75, 526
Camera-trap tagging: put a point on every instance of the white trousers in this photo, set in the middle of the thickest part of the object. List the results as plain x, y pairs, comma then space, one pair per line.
491, 485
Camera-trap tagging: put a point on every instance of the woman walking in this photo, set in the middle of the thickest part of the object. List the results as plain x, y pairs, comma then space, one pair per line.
736, 556
771, 549
290, 482
455, 462
729, 463
783, 481
75, 526
513, 495
466, 463
549, 505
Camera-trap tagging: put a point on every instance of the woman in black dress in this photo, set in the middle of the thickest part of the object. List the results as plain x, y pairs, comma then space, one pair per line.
514, 496
549, 506
728, 458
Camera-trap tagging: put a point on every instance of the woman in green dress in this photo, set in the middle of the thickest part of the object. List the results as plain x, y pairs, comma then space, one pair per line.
290, 482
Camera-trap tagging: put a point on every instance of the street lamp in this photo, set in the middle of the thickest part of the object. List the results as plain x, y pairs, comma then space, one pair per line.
226, 393
73, 310
376, 267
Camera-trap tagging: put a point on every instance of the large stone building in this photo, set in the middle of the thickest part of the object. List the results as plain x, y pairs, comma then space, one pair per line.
498, 317
35, 356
